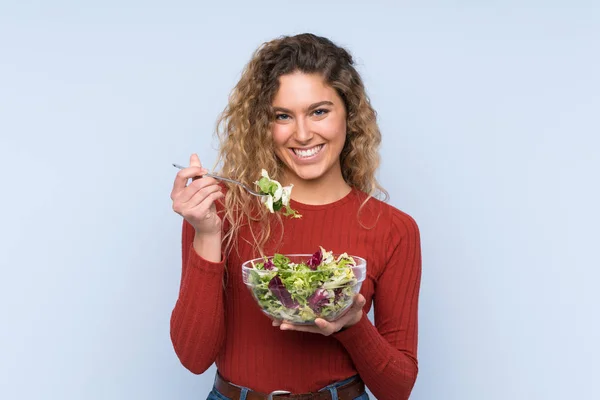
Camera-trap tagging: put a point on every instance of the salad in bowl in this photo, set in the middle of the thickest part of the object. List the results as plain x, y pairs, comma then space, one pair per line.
300, 288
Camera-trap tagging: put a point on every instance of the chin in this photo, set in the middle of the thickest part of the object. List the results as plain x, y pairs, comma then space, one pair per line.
310, 173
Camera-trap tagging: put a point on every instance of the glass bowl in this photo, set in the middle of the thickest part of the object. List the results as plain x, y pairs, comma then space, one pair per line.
303, 293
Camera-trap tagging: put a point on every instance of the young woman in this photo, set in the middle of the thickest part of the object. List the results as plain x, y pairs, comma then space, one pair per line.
299, 111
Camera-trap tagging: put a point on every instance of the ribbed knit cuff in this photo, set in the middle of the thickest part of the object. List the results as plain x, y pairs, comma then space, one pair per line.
211, 267
363, 341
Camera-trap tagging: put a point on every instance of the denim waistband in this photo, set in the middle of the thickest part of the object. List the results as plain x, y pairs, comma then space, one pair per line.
331, 388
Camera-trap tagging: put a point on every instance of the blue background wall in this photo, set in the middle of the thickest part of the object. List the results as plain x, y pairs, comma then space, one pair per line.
490, 116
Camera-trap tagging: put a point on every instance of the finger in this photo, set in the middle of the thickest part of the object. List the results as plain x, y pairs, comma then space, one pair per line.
326, 327
203, 210
276, 323
195, 161
355, 310
299, 328
182, 178
322, 324
199, 196
188, 206
197, 187
188, 192
359, 302
353, 315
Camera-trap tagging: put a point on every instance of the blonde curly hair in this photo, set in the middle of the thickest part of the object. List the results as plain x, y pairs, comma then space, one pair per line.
244, 127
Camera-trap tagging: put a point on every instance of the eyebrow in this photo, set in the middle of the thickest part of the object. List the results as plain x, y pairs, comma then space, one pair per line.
311, 107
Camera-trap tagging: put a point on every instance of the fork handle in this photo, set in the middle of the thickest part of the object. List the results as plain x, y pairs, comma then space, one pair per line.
252, 192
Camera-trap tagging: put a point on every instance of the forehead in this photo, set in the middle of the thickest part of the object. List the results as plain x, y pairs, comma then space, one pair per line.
300, 90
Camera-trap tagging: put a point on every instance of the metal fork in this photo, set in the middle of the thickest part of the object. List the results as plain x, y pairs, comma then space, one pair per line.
252, 192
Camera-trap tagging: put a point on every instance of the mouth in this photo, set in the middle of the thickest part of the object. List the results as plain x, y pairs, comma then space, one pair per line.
310, 152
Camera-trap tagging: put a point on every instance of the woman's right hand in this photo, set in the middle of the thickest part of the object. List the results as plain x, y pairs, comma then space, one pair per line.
196, 201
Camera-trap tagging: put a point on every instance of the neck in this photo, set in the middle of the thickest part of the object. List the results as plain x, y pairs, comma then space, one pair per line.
327, 189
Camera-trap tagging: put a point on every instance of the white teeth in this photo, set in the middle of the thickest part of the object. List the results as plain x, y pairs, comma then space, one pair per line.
309, 152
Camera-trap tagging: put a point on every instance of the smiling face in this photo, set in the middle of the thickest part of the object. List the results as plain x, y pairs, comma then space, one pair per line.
309, 130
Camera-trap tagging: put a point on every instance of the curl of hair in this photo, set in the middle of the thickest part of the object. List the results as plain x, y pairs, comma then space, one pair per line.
244, 127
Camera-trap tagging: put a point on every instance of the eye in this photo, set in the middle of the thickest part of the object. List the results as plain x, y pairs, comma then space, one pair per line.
282, 117
320, 112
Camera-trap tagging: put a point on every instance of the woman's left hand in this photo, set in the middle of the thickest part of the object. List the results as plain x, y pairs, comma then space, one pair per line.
323, 327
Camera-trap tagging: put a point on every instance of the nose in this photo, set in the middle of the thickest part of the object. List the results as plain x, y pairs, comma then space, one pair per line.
303, 133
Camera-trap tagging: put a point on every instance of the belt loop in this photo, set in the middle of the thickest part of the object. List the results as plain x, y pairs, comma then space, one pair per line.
244, 393
276, 392
334, 393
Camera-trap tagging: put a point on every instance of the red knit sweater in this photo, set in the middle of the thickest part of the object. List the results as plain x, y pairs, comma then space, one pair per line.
211, 324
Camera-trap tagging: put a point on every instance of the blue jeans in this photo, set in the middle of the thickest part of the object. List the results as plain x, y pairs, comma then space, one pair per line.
215, 395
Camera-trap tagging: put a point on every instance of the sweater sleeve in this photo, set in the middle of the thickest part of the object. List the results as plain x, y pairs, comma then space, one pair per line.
198, 320
385, 355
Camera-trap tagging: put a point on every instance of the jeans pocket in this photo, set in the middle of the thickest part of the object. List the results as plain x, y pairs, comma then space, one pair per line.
215, 395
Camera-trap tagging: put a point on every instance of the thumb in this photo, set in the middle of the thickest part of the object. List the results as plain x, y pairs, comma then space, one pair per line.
195, 161
359, 302
321, 323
